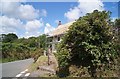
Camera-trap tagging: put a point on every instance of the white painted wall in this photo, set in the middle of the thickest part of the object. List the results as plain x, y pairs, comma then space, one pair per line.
55, 41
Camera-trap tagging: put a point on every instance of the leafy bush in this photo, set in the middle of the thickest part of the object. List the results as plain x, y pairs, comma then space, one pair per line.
63, 57
7, 50
17, 49
14, 51
23, 52
36, 54
89, 43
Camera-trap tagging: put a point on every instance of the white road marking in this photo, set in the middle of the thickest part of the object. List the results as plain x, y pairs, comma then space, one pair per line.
26, 70
27, 74
23, 72
18, 75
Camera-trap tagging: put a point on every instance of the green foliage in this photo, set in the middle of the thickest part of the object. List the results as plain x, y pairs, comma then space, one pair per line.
63, 61
89, 40
36, 54
117, 33
117, 40
32, 42
117, 23
6, 50
63, 57
15, 51
117, 29
42, 41
9, 37
24, 41
18, 49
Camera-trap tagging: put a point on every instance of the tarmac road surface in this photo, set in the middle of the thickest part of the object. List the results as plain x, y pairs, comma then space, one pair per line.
13, 69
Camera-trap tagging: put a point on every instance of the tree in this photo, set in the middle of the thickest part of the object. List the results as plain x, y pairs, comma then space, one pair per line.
117, 39
117, 23
89, 42
116, 31
9, 37
42, 41
2, 37
32, 42
16, 49
117, 28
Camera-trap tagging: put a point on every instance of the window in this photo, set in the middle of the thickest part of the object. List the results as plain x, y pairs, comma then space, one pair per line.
58, 38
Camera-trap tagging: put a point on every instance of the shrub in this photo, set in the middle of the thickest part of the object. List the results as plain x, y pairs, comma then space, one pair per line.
36, 54
89, 43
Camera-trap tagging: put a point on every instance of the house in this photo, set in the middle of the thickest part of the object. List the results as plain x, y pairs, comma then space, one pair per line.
56, 35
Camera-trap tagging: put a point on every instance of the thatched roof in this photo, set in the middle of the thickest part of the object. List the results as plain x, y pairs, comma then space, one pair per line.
61, 29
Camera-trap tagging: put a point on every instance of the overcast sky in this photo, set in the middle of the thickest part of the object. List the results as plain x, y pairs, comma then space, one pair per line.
28, 19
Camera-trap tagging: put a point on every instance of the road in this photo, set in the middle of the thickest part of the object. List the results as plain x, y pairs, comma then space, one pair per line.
0, 71
11, 69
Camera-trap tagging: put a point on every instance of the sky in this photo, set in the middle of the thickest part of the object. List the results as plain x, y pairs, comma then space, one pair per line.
27, 19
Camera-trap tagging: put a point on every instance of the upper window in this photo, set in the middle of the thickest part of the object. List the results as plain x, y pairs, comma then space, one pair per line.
58, 38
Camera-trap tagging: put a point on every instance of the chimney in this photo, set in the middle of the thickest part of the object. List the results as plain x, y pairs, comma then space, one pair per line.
59, 23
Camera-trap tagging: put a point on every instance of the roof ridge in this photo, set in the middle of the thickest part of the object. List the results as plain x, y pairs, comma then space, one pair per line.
61, 29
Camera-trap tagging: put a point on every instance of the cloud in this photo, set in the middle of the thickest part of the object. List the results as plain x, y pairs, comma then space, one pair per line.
20, 11
31, 34
33, 25
73, 14
33, 28
13, 0
83, 7
43, 12
27, 12
9, 7
9, 25
48, 28
21, 18
12, 25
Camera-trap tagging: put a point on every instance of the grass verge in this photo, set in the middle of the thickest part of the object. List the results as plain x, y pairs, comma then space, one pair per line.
42, 60
5, 60
0, 60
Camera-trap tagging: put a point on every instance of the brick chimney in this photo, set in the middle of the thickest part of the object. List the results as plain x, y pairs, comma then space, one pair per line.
59, 23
